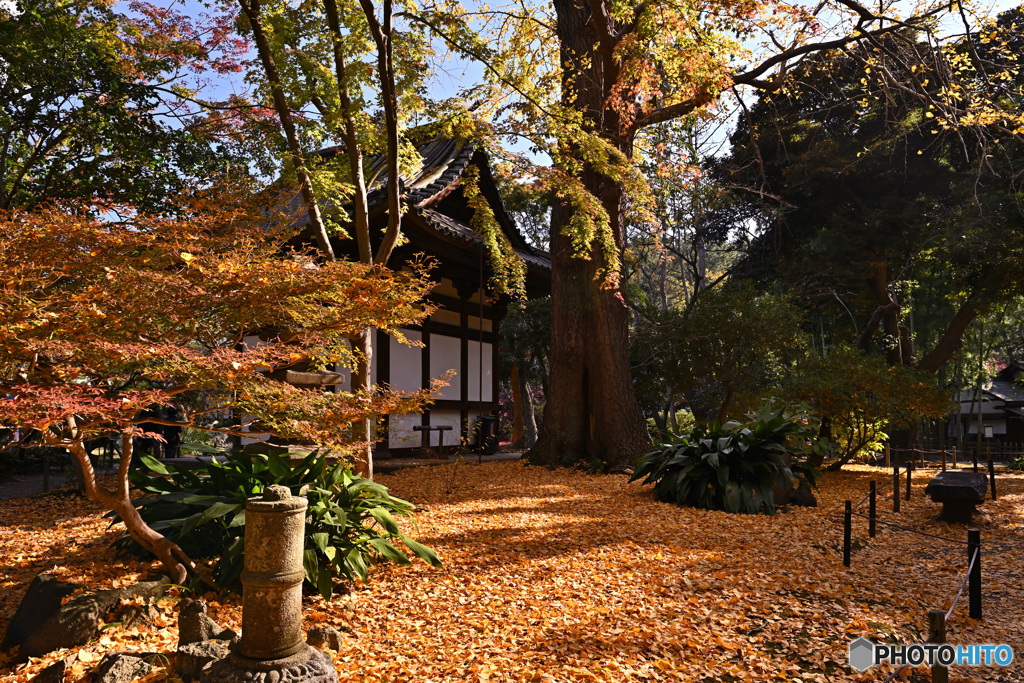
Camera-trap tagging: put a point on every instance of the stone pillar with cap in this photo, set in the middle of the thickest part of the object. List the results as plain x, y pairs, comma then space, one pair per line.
271, 649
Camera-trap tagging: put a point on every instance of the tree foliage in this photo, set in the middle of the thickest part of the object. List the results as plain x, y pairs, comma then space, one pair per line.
729, 347
102, 320
874, 199
860, 396
98, 105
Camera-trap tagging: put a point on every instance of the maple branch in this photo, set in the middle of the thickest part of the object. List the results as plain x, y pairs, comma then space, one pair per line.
631, 25
952, 338
676, 110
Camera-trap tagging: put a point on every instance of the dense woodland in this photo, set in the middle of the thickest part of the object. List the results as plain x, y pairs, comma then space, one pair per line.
782, 236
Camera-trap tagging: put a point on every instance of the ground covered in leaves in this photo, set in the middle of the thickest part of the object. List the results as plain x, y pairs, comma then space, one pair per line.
562, 576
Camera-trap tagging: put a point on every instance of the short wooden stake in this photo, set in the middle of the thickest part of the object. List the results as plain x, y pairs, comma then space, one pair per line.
943, 458
910, 471
992, 477
974, 579
975, 459
847, 524
871, 510
896, 488
937, 635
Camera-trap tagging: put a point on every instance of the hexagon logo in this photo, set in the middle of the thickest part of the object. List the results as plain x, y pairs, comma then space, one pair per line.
862, 654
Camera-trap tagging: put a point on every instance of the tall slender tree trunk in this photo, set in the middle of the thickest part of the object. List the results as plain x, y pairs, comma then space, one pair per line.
517, 407
362, 430
252, 11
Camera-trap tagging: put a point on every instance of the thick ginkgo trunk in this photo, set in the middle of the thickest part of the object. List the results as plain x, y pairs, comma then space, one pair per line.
591, 414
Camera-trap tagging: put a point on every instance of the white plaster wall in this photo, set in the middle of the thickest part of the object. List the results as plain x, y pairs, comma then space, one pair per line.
451, 418
400, 433
406, 363
998, 426
445, 355
473, 372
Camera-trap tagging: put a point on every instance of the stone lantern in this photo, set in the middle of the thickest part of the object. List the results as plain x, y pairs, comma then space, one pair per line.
271, 649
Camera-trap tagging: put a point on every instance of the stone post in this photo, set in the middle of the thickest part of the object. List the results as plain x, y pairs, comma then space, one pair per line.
271, 649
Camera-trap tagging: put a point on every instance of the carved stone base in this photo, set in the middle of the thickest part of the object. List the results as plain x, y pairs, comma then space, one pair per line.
305, 666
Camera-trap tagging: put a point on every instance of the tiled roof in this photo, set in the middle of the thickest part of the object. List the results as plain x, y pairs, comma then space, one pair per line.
438, 172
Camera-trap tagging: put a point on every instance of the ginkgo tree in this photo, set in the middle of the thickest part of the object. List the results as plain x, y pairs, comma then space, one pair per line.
101, 320
591, 77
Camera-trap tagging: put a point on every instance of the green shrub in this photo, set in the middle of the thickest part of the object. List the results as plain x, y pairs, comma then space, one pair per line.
729, 467
350, 521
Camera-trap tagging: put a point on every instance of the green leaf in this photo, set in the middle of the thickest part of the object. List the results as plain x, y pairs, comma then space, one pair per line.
389, 551
153, 464
324, 582
421, 551
321, 540
732, 498
385, 519
311, 565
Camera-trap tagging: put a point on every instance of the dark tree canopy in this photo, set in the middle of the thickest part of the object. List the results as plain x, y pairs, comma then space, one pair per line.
867, 192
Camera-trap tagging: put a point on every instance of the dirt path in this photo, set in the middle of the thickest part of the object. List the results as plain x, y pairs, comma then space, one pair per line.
25, 485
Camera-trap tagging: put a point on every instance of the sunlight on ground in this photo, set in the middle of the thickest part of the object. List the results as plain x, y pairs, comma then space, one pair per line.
562, 576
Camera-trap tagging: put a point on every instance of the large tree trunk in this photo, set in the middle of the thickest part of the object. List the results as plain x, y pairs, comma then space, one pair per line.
592, 413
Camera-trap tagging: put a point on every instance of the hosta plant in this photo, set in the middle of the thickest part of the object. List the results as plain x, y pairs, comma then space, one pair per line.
350, 521
731, 467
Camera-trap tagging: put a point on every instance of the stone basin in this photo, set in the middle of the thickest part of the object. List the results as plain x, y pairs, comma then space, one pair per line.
959, 493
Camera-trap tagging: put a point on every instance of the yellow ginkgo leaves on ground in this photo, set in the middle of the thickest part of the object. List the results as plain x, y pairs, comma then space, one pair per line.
561, 576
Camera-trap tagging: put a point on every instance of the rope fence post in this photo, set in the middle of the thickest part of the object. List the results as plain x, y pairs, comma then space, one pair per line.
974, 578
910, 470
896, 488
943, 458
937, 635
871, 510
992, 478
847, 528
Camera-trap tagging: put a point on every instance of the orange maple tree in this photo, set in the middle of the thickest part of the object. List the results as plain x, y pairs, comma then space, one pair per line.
102, 320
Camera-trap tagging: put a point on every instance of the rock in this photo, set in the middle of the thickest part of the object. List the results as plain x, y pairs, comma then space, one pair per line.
194, 658
318, 636
959, 493
120, 667
56, 672
78, 621
136, 615
195, 627
42, 600
803, 497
